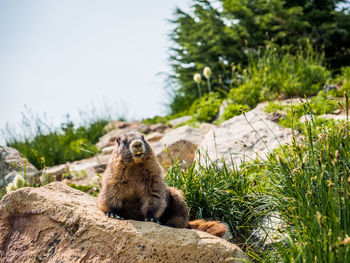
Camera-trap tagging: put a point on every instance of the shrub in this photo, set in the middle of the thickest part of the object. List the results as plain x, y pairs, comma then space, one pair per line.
246, 94
206, 108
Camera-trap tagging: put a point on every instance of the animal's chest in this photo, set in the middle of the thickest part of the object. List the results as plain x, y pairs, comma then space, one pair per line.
139, 182
137, 186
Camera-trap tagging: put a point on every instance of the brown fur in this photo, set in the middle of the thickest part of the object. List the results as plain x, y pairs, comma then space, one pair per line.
212, 227
133, 188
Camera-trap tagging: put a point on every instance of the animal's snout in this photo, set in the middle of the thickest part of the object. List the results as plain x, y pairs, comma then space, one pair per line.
137, 147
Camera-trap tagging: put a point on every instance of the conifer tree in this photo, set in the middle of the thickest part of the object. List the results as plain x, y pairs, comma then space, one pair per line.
220, 33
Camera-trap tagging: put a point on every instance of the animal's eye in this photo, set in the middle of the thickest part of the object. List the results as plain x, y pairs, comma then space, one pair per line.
125, 142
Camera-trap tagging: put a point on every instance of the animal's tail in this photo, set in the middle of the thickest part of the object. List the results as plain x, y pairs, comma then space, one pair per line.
212, 227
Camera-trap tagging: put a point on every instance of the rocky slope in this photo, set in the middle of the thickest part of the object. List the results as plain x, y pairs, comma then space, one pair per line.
244, 137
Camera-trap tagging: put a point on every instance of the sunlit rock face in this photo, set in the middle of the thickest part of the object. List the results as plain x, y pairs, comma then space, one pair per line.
56, 223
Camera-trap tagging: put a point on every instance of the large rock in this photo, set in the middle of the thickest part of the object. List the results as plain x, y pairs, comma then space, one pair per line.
179, 145
82, 172
307, 118
244, 138
109, 138
268, 231
56, 223
116, 129
222, 108
180, 120
12, 162
154, 137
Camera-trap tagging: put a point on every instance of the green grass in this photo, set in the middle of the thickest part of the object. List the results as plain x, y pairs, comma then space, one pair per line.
89, 189
269, 75
274, 75
317, 105
312, 195
307, 183
60, 146
2, 192
215, 192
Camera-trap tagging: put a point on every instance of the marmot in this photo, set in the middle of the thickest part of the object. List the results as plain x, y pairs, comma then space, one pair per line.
133, 187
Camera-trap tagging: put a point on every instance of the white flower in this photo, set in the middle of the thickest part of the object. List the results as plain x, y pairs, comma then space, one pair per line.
197, 77
10, 187
18, 181
207, 72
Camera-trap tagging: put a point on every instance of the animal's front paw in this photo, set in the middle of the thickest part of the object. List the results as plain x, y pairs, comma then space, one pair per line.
114, 215
152, 219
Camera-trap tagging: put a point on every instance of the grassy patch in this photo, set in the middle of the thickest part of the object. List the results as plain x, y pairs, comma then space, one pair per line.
291, 114
59, 146
312, 189
274, 75
213, 191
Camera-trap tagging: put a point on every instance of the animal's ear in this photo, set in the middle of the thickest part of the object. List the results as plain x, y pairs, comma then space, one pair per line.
118, 140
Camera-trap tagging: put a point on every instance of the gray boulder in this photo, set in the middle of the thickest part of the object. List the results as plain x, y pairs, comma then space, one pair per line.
244, 138
12, 162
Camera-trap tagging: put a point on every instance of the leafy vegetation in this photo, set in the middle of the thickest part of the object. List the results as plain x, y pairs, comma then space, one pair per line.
343, 79
226, 33
205, 109
233, 110
269, 75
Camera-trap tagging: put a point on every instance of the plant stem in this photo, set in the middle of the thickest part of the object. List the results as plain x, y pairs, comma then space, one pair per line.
347, 105
199, 90
209, 88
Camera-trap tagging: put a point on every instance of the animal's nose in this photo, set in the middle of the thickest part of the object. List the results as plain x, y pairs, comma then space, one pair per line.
137, 145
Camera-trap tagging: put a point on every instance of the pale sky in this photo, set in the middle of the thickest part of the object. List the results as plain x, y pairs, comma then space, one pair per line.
57, 57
